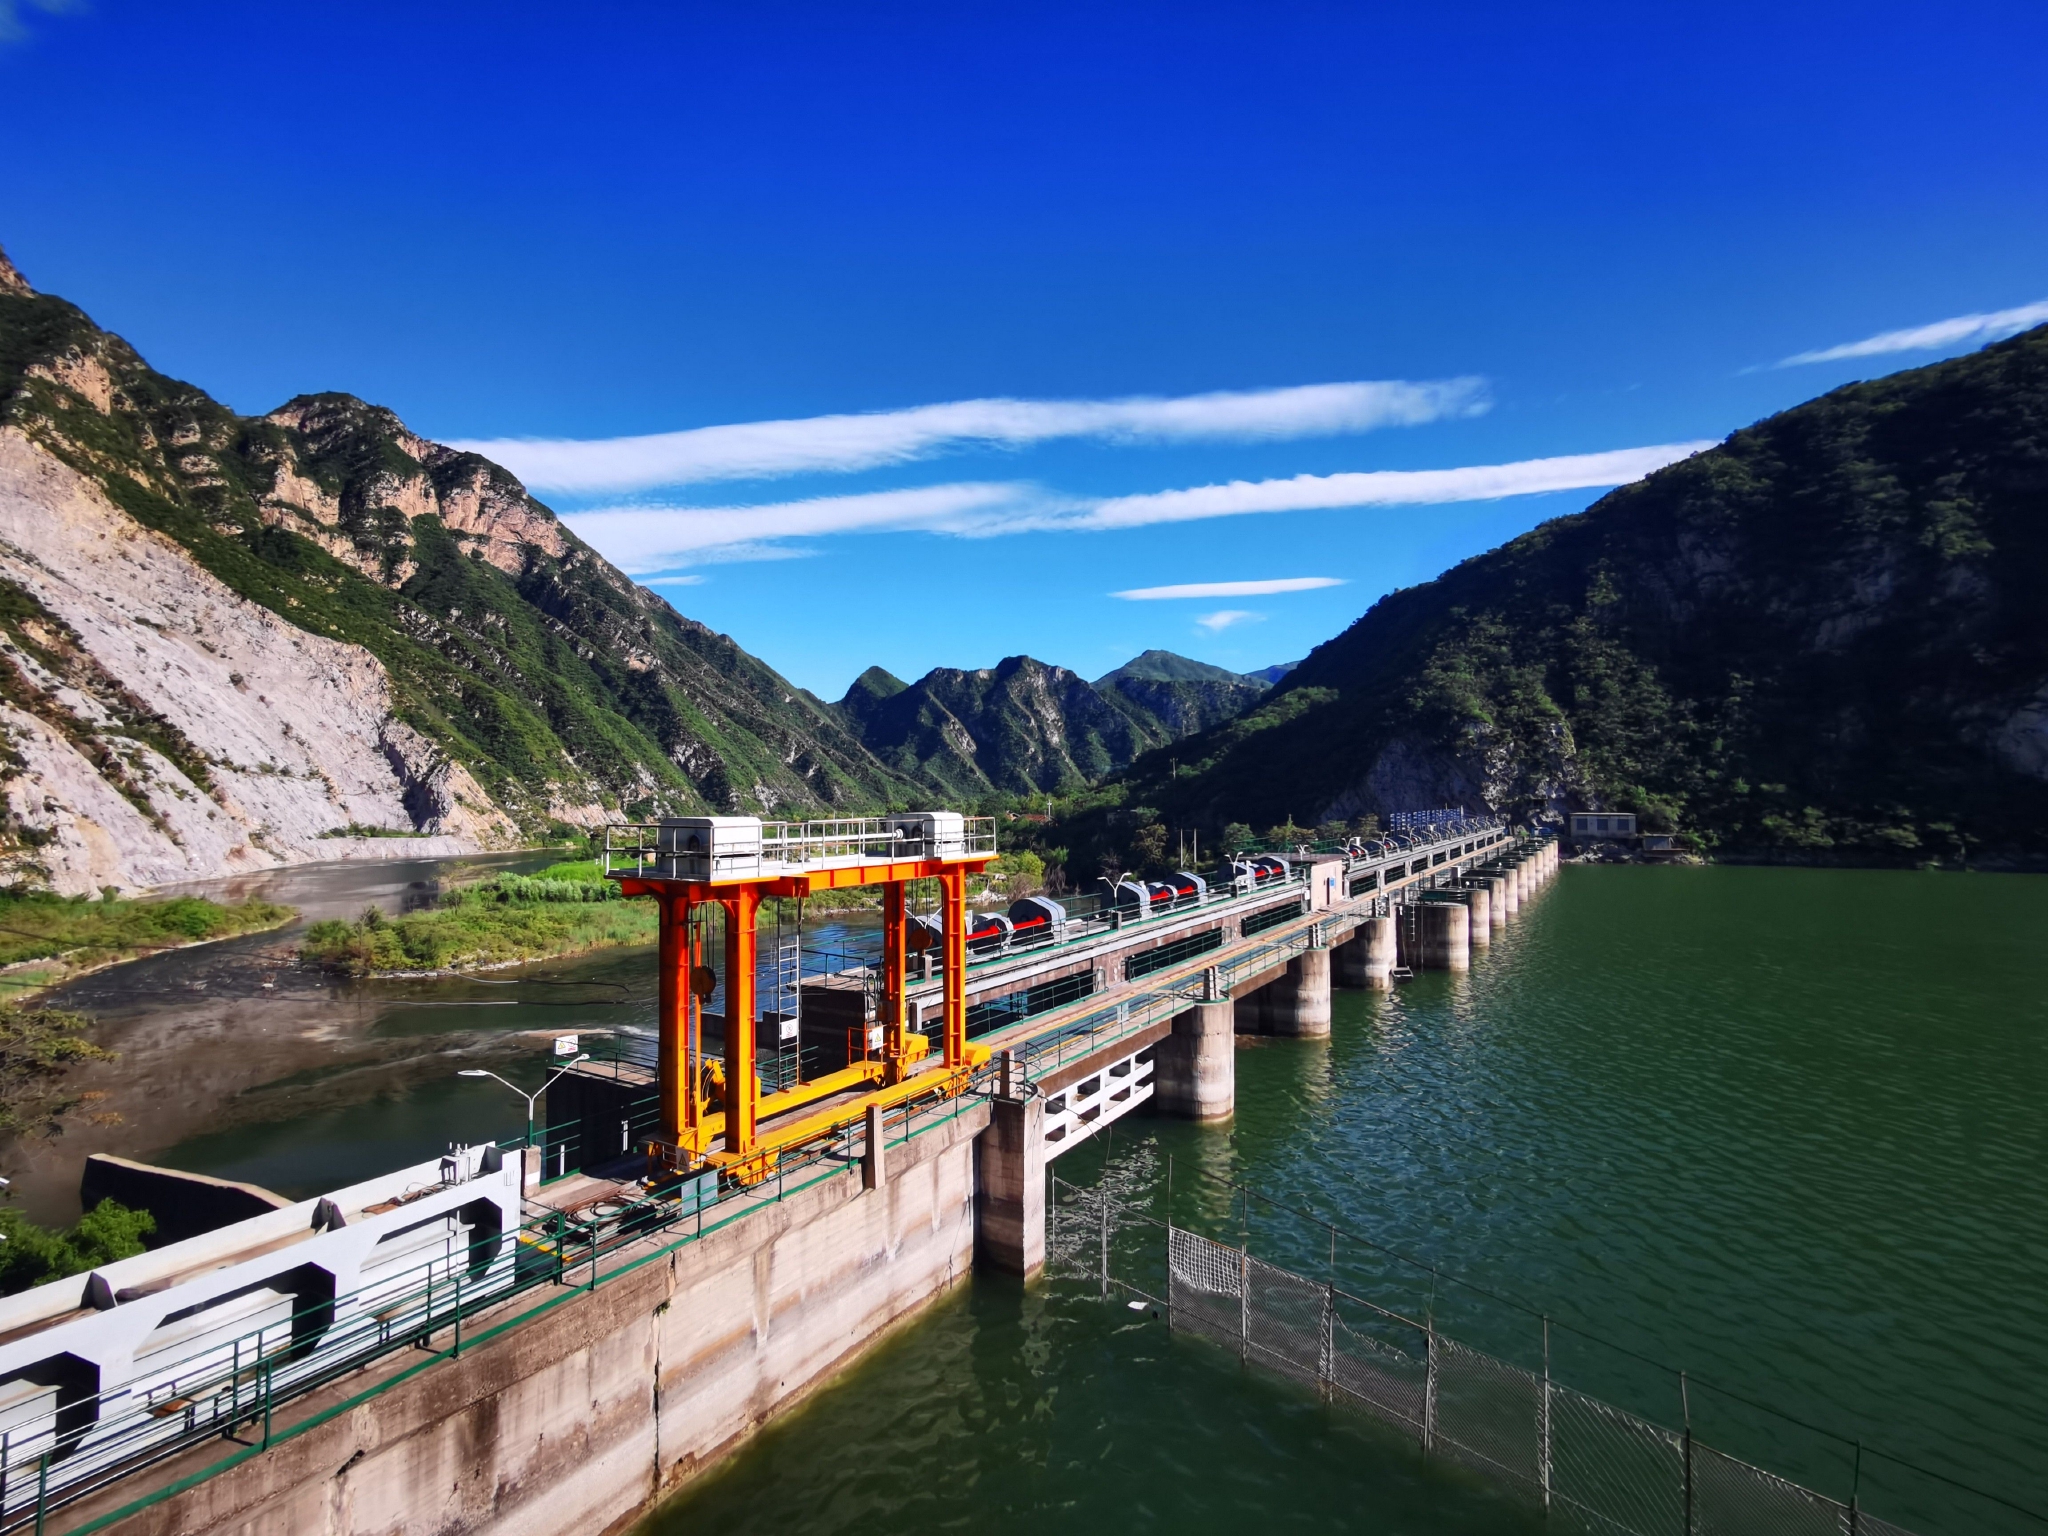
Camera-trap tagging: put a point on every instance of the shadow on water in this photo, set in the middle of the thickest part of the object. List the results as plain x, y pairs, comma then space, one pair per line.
1781, 1128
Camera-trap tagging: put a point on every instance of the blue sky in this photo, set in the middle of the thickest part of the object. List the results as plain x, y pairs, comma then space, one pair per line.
1522, 235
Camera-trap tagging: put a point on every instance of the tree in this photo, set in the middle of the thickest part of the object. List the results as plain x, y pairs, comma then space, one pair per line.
1286, 834
38, 1046
1237, 837
1148, 851
32, 1255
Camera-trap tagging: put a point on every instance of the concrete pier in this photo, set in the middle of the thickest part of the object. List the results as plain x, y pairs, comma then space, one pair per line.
1380, 952
1195, 1067
1010, 1187
1446, 931
1295, 1002
1479, 902
1510, 894
1299, 1002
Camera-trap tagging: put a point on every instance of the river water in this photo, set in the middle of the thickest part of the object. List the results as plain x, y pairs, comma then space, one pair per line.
235, 1062
1785, 1130
1782, 1129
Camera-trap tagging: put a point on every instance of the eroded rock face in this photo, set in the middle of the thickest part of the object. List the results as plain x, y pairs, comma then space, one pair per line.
327, 493
161, 728
1481, 771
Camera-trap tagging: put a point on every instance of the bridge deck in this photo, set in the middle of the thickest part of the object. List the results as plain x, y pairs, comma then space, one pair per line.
1243, 966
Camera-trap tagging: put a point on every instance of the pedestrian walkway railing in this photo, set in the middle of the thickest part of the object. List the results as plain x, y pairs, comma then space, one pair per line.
1585, 1463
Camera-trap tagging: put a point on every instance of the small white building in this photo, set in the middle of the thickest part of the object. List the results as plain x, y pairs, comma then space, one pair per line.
1591, 826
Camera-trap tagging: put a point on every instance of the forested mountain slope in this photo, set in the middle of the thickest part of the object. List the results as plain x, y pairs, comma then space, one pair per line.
1020, 727
341, 626
1183, 695
1825, 638
1024, 727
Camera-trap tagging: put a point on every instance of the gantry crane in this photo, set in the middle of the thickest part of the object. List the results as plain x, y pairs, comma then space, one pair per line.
714, 1113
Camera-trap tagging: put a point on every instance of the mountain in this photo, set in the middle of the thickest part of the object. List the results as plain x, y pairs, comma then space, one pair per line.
1183, 695
1167, 667
1021, 727
1821, 639
231, 641
1273, 674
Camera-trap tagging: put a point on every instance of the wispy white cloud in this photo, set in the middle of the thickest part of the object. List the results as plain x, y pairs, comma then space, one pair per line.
1926, 338
835, 444
643, 538
12, 29
1229, 588
1390, 487
676, 581
1215, 623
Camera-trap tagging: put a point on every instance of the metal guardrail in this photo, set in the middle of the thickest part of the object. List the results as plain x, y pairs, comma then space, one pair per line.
792, 847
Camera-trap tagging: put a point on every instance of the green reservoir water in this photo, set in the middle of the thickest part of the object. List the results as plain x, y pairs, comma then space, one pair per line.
1786, 1130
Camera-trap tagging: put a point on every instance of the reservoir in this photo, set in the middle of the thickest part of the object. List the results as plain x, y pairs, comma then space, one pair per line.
1781, 1129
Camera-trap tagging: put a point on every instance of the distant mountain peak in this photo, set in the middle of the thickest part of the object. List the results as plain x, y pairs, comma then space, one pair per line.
1159, 666
11, 280
875, 683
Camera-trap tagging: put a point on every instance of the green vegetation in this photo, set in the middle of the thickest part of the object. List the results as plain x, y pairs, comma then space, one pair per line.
74, 934
1167, 667
38, 1046
1818, 641
565, 909
510, 644
32, 1255
1025, 728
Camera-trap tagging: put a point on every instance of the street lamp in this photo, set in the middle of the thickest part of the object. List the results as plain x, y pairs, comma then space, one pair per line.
529, 1097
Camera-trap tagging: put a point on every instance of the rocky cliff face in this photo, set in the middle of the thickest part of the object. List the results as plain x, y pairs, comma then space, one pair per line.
226, 637
161, 728
1821, 639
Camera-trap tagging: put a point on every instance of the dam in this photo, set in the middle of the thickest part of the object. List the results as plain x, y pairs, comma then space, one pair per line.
516, 1325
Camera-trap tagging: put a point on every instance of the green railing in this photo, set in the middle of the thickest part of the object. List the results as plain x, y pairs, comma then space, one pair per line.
235, 1388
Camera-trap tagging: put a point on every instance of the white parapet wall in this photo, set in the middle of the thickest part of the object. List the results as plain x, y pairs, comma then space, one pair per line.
99, 1369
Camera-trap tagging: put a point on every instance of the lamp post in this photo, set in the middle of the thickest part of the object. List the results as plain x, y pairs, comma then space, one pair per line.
529, 1097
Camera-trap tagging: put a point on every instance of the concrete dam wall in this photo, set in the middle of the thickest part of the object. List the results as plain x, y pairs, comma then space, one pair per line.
601, 1402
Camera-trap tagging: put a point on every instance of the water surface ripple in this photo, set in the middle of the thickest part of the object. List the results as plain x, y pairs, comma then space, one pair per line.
1780, 1128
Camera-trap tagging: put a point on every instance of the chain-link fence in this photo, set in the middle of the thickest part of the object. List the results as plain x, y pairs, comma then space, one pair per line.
1588, 1464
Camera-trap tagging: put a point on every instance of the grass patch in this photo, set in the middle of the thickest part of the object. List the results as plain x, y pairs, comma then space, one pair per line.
75, 935
563, 910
